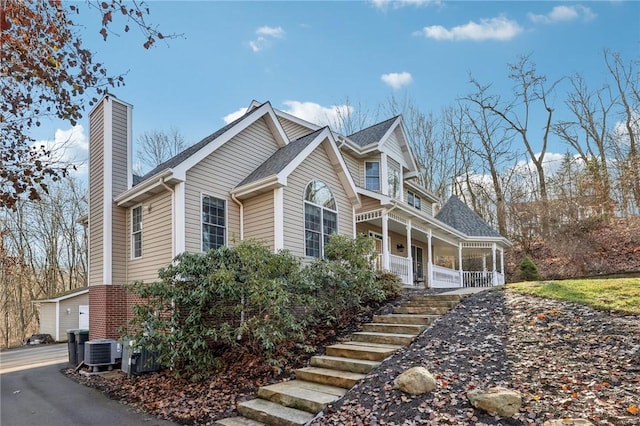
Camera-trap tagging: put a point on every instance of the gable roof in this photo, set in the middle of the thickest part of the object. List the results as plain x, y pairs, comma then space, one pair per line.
458, 215
372, 134
66, 295
280, 159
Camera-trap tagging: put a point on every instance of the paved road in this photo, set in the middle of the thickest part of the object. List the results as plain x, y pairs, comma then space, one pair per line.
34, 392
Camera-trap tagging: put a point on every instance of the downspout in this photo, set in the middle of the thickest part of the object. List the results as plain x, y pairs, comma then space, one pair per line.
173, 214
241, 206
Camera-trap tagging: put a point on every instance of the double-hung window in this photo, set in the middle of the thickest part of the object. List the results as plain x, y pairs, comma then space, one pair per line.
393, 175
320, 218
372, 175
136, 232
213, 223
414, 200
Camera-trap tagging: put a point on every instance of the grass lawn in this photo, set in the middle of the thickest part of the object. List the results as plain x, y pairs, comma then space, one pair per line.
616, 294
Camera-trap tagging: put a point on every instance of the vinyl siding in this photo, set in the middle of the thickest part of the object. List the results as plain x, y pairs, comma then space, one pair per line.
72, 319
157, 250
48, 318
119, 134
315, 166
355, 167
259, 219
367, 203
426, 207
220, 172
293, 130
393, 148
96, 183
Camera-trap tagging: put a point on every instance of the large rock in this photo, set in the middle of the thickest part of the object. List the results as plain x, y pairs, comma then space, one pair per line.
416, 381
499, 400
567, 422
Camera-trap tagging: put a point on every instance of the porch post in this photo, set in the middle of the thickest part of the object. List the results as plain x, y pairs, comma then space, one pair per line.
494, 272
502, 261
429, 261
385, 241
409, 254
460, 264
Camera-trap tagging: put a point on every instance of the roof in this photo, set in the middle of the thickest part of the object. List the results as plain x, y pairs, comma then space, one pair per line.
280, 159
458, 215
66, 295
188, 152
372, 134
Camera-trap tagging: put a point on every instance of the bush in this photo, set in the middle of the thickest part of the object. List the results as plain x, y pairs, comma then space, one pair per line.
528, 270
390, 283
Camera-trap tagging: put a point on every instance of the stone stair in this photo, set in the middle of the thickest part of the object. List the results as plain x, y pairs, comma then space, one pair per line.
329, 376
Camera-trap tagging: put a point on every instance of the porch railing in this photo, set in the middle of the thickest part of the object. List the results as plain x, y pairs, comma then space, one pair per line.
444, 277
482, 278
400, 266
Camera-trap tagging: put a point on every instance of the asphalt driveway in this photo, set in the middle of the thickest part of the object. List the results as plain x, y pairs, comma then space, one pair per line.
34, 392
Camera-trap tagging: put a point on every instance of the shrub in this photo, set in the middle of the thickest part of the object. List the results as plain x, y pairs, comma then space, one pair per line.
528, 270
390, 283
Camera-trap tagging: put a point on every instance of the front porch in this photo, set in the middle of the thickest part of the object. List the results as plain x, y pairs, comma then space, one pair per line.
429, 254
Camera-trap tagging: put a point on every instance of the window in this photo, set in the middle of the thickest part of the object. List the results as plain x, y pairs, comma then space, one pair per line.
414, 200
372, 175
213, 223
320, 218
393, 175
136, 232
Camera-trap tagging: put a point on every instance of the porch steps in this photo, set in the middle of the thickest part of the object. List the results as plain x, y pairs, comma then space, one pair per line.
329, 376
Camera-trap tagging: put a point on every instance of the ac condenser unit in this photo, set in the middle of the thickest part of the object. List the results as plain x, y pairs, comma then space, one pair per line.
102, 352
138, 360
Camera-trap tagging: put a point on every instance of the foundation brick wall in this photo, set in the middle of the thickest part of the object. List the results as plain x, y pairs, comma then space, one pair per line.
108, 311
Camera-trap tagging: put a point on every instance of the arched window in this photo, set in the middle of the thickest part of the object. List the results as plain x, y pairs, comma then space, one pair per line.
320, 217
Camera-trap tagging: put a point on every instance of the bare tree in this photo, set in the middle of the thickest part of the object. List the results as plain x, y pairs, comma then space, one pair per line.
157, 146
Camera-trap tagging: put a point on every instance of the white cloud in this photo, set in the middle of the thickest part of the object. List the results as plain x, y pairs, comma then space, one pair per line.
316, 113
498, 28
564, 14
266, 35
234, 115
397, 79
69, 146
397, 4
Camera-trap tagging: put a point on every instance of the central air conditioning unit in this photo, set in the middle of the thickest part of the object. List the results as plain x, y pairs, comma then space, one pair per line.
136, 360
101, 352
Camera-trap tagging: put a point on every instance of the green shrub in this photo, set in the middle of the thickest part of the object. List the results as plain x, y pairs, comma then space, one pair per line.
390, 283
528, 270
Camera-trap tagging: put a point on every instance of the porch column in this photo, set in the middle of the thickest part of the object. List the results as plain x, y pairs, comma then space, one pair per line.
484, 262
493, 255
409, 254
429, 261
385, 241
460, 264
502, 261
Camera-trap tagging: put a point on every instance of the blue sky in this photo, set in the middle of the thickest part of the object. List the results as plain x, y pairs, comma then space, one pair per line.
308, 57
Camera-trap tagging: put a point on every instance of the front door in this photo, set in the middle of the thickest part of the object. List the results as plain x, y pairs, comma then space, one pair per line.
83, 313
416, 254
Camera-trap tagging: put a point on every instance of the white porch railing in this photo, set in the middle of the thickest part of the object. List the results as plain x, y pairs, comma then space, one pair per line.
400, 266
444, 277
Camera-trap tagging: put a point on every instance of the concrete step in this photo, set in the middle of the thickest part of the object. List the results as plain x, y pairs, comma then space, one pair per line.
394, 328
359, 350
405, 319
306, 396
274, 414
424, 310
386, 338
448, 297
431, 303
326, 376
353, 365
237, 421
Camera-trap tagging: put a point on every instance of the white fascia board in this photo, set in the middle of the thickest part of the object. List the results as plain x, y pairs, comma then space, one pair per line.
252, 187
501, 239
343, 172
409, 151
141, 188
181, 169
384, 199
65, 297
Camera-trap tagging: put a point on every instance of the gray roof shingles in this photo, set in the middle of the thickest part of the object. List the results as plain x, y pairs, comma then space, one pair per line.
372, 134
280, 159
458, 215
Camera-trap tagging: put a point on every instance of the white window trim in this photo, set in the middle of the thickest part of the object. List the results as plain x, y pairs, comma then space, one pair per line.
226, 219
304, 225
379, 173
133, 246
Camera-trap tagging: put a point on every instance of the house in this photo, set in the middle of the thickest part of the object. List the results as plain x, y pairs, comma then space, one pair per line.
69, 310
279, 179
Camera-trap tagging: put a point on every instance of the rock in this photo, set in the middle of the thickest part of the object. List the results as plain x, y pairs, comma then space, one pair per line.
415, 381
567, 422
499, 400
